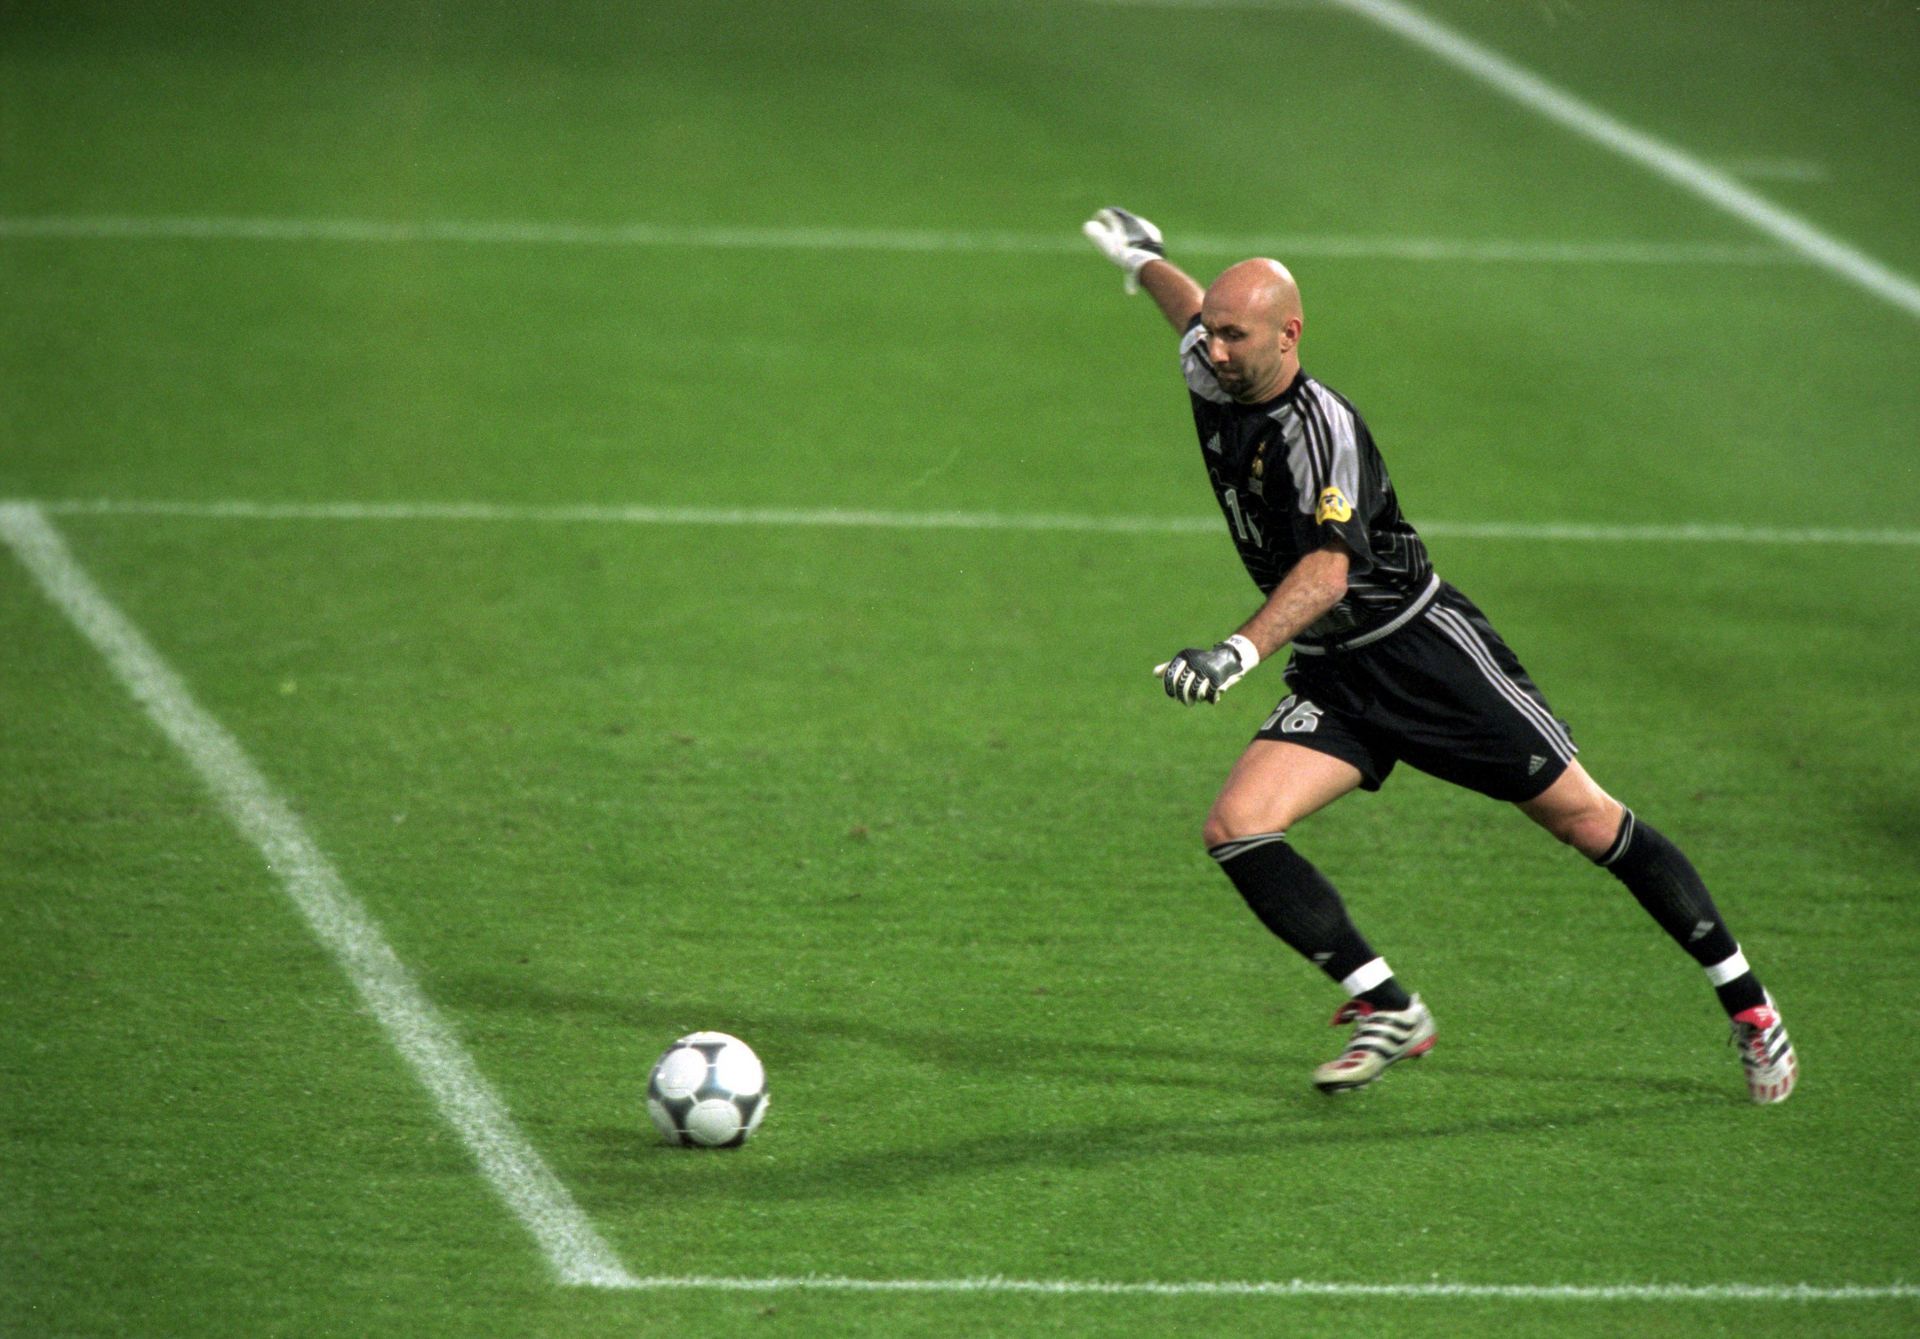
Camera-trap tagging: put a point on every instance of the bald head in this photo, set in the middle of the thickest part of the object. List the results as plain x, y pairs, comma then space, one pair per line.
1257, 287
1253, 320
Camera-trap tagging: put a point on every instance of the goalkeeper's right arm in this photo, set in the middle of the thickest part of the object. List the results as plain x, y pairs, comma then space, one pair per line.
1136, 246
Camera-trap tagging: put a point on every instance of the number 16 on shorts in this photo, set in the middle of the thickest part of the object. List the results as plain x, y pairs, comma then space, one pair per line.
1294, 717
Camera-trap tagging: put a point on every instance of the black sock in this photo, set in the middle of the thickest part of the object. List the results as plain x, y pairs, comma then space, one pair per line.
1666, 884
1295, 901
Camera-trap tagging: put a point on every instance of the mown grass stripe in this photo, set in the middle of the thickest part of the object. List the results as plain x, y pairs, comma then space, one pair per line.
242, 509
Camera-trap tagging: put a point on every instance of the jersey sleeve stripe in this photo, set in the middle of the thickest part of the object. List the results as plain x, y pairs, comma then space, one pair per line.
1320, 454
1343, 443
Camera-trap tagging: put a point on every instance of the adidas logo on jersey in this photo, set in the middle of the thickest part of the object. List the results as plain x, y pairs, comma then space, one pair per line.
1534, 764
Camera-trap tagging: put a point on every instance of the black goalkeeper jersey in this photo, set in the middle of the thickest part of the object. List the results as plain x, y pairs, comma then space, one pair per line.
1296, 471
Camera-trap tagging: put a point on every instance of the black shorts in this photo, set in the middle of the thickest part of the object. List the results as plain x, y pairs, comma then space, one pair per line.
1442, 691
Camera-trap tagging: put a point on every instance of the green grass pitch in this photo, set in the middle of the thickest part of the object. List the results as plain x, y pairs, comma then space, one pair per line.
902, 806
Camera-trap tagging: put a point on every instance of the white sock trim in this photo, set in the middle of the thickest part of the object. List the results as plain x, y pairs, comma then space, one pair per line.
1366, 976
1731, 969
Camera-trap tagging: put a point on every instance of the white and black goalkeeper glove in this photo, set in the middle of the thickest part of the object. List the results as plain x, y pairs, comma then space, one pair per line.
1202, 676
1127, 240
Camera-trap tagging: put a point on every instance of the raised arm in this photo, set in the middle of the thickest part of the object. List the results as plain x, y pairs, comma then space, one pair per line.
1171, 287
1136, 246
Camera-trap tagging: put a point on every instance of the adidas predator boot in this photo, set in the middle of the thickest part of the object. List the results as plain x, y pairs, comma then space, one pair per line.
1380, 1038
1765, 1052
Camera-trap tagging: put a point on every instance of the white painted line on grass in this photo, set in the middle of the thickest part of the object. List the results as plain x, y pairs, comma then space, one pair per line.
1571, 532
859, 519
1067, 241
338, 921
1676, 165
1515, 1292
621, 514
1270, 5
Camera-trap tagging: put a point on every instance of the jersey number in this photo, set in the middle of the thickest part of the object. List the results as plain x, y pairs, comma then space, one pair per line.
1294, 717
1243, 529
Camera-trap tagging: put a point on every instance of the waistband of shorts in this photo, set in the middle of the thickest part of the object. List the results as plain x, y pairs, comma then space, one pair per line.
1405, 614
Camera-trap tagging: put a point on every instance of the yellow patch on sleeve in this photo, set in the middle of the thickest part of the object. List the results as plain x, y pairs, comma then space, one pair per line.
1333, 507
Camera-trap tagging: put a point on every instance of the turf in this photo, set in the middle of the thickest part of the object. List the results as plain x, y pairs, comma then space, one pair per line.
903, 807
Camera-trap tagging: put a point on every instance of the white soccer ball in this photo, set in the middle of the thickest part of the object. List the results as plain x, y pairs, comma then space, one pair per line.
709, 1090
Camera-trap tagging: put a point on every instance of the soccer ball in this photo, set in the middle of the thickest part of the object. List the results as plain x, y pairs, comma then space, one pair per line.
708, 1089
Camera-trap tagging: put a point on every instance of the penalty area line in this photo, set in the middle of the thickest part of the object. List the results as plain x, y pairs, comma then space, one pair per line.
1436, 1290
1682, 169
1572, 532
903, 241
343, 926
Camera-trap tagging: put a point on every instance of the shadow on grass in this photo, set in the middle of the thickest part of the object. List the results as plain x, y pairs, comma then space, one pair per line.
1252, 1105
796, 1039
631, 1167
1731, 1092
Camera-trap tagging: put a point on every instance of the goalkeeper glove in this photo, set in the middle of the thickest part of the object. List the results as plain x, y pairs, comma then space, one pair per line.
1204, 675
1127, 240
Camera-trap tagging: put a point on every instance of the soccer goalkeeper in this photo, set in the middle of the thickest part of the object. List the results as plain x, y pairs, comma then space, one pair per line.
1389, 663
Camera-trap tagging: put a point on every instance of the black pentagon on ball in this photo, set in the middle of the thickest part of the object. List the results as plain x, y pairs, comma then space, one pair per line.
710, 1088
747, 1106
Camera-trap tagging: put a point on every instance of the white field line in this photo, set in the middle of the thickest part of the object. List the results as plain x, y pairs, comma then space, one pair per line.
467, 1102
841, 518
1275, 6
498, 232
1676, 165
1516, 1292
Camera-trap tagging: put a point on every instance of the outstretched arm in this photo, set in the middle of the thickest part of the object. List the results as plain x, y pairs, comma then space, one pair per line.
1170, 286
1135, 245
1312, 586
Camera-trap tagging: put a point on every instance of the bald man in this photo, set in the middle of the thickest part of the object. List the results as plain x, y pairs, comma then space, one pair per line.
1389, 664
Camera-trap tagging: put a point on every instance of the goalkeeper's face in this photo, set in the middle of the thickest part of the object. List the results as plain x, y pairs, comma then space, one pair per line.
1253, 323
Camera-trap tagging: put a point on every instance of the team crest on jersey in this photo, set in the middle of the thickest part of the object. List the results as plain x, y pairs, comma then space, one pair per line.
1333, 507
1257, 475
